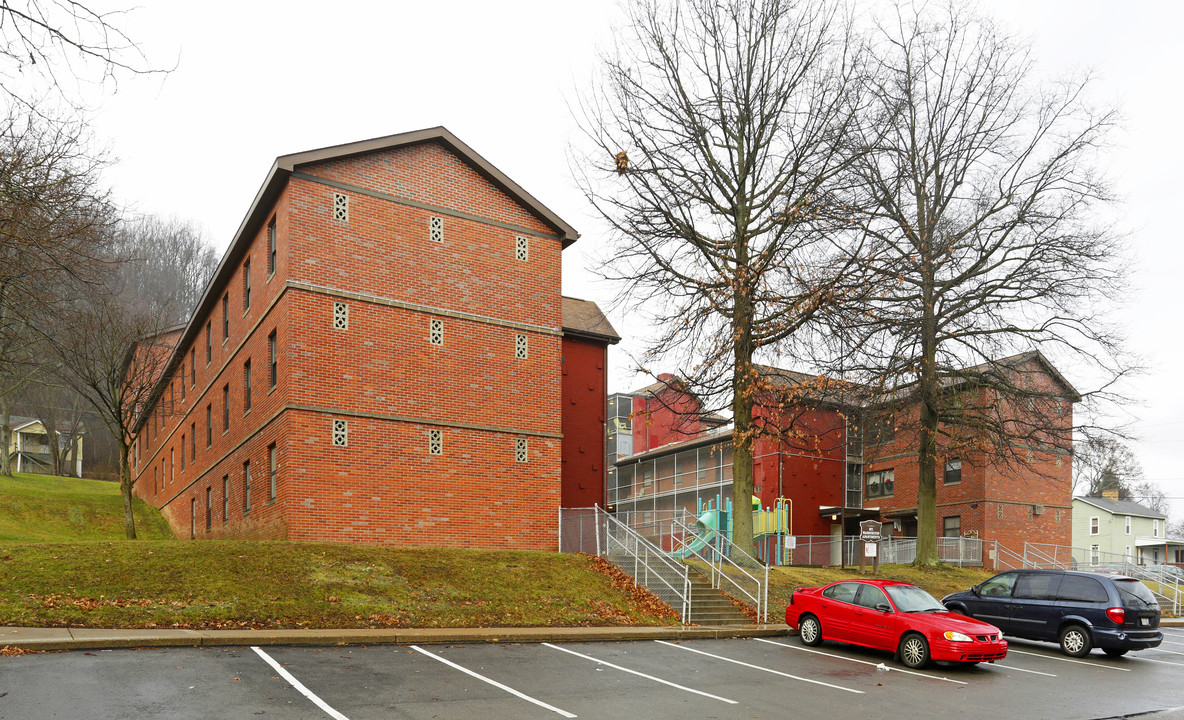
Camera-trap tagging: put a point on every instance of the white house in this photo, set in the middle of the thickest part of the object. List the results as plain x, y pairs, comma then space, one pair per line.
1119, 530
28, 444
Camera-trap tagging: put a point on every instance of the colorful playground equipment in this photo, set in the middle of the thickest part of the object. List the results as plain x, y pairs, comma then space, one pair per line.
770, 527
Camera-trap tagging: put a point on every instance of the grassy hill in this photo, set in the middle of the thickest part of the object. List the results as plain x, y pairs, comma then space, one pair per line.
53, 509
64, 562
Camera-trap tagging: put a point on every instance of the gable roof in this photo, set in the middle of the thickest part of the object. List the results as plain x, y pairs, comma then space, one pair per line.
583, 318
1122, 507
277, 179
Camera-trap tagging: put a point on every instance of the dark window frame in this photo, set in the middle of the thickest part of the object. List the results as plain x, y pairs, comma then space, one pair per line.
271, 243
952, 475
247, 386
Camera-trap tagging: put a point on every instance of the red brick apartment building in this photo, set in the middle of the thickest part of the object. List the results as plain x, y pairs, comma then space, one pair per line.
839, 461
384, 357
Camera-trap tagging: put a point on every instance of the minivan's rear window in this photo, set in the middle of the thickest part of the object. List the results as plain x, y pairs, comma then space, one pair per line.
1079, 588
1132, 590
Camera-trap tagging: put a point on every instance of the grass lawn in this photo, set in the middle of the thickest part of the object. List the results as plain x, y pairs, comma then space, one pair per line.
45, 508
64, 562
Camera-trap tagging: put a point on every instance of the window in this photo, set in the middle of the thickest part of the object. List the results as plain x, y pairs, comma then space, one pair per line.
880, 483
1082, 588
870, 596
435, 442
843, 592
436, 229
273, 369
998, 586
209, 343
193, 444
436, 331
225, 316
246, 487
953, 471
247, 386
1037, 586
881, 428
271, 246
341, 433
225, 498
951, 526
1154, 528
340, 316
522, 248
1095, 525
209, 507
246, 285
192, 518
182, 383
193, 367
341, 207
226, 407
182, 452
1128, 524
273, 467
172, 466
521, 452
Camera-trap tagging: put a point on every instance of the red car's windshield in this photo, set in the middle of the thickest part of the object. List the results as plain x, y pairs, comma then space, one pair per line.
910, 598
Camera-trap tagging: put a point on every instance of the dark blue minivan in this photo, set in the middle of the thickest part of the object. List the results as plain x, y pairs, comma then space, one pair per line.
1079, 610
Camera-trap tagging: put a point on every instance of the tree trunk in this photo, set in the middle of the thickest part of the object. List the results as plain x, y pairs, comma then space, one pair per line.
5, 440
742, 402
125, 487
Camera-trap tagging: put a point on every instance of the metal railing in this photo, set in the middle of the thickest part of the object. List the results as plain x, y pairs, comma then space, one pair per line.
728, 565
828, 550
595, 532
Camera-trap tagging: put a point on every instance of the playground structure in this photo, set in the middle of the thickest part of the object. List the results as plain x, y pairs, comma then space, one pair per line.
770, 528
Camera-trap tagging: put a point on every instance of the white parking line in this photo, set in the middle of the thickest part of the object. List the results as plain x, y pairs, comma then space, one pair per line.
494, 683
758, 667
863, 662
1068, 660
1034, 672
298, 685
640, 674
1161, 662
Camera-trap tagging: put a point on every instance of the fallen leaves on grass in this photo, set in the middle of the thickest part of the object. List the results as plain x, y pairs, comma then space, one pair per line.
643, 600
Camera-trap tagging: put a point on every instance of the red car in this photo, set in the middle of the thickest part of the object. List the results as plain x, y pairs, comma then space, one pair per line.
891, 615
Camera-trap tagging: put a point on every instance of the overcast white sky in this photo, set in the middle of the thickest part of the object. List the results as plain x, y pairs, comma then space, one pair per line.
260, 79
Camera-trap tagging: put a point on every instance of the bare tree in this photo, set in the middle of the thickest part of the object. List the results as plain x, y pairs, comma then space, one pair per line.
55, 221
1102, 463
715, 144
60, 410
170, 263
45, 43
990, 253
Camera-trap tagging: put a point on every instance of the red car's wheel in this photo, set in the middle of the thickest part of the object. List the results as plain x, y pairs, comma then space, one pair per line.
914, 651
810, 631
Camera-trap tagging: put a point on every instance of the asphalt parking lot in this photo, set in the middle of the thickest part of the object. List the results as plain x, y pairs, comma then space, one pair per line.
732, 678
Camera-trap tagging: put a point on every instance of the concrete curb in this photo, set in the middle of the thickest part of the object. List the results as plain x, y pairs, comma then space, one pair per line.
101, 639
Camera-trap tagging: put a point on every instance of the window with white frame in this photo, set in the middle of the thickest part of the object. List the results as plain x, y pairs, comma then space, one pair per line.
1154, 528
1095, 554
1128, 524
522, 248
340, 316
521, 453
435, 441
436, 229
341, 433
436, 331
341, 207
520, 346
1095, 525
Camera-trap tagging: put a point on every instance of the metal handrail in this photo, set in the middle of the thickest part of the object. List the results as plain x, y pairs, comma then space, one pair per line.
634, 548
721, 557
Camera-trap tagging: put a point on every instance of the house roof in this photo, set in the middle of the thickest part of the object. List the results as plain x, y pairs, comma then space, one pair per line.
583, 318
1122, 507
277, 178
17, 423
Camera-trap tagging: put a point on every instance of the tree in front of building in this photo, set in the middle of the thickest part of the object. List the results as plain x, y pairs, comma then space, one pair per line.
989, 241
716, 145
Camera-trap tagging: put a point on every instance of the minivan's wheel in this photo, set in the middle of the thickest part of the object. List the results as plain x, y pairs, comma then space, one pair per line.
1075, 641
1115, 652
810, 631
914, 651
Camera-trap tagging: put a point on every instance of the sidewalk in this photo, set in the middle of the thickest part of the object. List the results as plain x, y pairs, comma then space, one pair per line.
99, 639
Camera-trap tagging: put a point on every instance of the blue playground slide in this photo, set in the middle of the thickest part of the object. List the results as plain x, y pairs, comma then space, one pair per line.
706, 527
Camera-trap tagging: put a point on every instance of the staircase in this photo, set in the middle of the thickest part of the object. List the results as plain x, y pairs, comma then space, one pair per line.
709, 606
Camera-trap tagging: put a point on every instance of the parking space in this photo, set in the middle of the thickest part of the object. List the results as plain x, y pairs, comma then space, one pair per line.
653, 679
